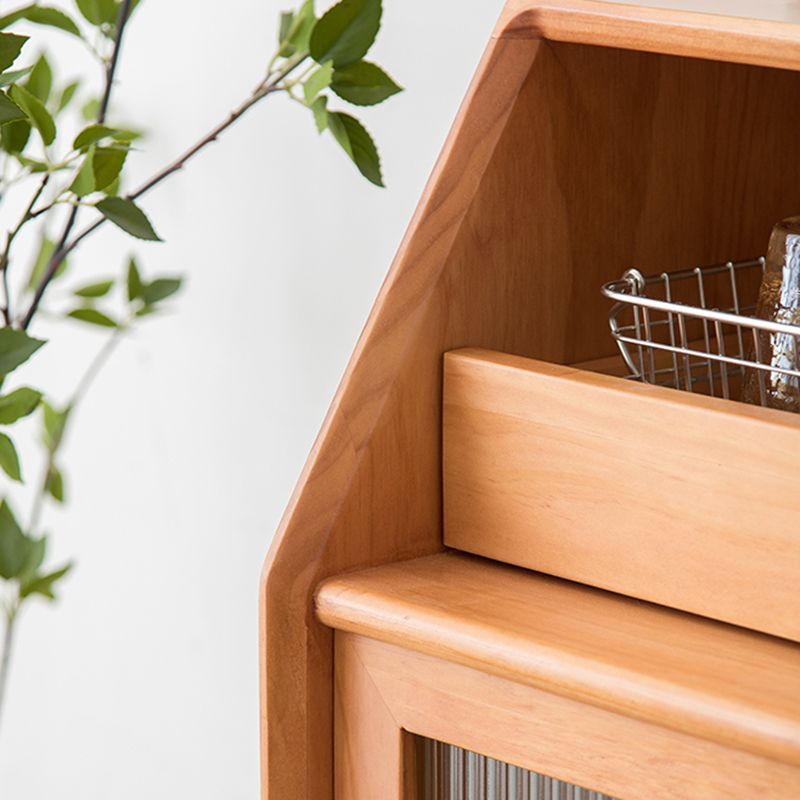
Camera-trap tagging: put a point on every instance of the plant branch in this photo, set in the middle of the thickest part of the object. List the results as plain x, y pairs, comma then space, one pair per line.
5, 658
86, 380
265, 88
122, 21
12, 234
60, 252
97, 363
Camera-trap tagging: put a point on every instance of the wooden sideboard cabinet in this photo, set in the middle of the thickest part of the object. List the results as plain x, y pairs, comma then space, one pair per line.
500, 565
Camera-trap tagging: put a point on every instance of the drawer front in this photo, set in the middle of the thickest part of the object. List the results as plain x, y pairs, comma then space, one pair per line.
666, 496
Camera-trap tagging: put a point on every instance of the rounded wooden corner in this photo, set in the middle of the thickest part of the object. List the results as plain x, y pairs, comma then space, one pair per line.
707, 32
519, 20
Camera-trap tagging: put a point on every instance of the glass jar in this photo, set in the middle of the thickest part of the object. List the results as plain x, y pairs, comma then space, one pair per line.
778, 301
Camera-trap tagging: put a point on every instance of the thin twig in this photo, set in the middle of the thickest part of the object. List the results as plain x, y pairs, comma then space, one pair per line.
122, 21
97, 363
82, 387
25, 218
60, 251
5, 659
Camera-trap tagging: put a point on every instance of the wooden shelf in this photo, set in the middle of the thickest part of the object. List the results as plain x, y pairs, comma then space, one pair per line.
667, 496
694, 675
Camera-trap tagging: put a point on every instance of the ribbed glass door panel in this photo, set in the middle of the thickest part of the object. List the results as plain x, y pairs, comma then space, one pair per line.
450, 773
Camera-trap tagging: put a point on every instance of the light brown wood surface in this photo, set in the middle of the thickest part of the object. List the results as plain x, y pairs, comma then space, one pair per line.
763, 32
557, 736
566, 165
681, 499
785, 12
379, 442
369, 744
700, 677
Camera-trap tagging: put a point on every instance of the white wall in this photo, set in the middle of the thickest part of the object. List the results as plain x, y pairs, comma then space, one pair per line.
142, 681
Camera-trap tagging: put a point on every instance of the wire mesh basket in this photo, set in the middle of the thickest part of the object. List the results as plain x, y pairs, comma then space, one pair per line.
689, 330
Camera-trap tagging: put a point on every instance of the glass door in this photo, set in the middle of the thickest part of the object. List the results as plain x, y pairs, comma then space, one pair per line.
447, 772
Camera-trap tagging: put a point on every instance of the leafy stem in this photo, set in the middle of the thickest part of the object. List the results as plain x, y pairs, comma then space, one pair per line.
60, 252
13, 605
315, 60
12, 234
269, 85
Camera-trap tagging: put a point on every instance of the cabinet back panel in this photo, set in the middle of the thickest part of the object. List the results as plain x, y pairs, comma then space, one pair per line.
612, 159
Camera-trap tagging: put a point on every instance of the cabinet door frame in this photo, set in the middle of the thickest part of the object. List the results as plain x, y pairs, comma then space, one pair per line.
384, 693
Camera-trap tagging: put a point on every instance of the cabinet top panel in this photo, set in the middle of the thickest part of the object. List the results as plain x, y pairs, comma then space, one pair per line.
787, 11
758, 32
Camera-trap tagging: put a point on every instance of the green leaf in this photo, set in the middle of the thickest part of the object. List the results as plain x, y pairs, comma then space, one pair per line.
36, 166
135, 285
99, 289
9, 460
17, 404
160, 289
16, 347
91, 134
36, 549
345, 32
10, 45
43, 584
15, 546
67, 93
55, 422
93, 317
55, 484
358, 144
107, 163
127, 215
146, 311
53, 17
37, 114
112, 190
320, 110
42, 15
301, 27
90, 108
14, 136
363, 84
127, 135
286, 19
7, 78
96, 12
9, 111
40, 81
84, 181
317, 81
46, 249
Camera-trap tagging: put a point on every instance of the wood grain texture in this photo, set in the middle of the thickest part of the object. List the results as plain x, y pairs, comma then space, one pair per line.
784, 13
560, 737
370, 748
763, 33
388, 403
693, 675
566, 165
676, 498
